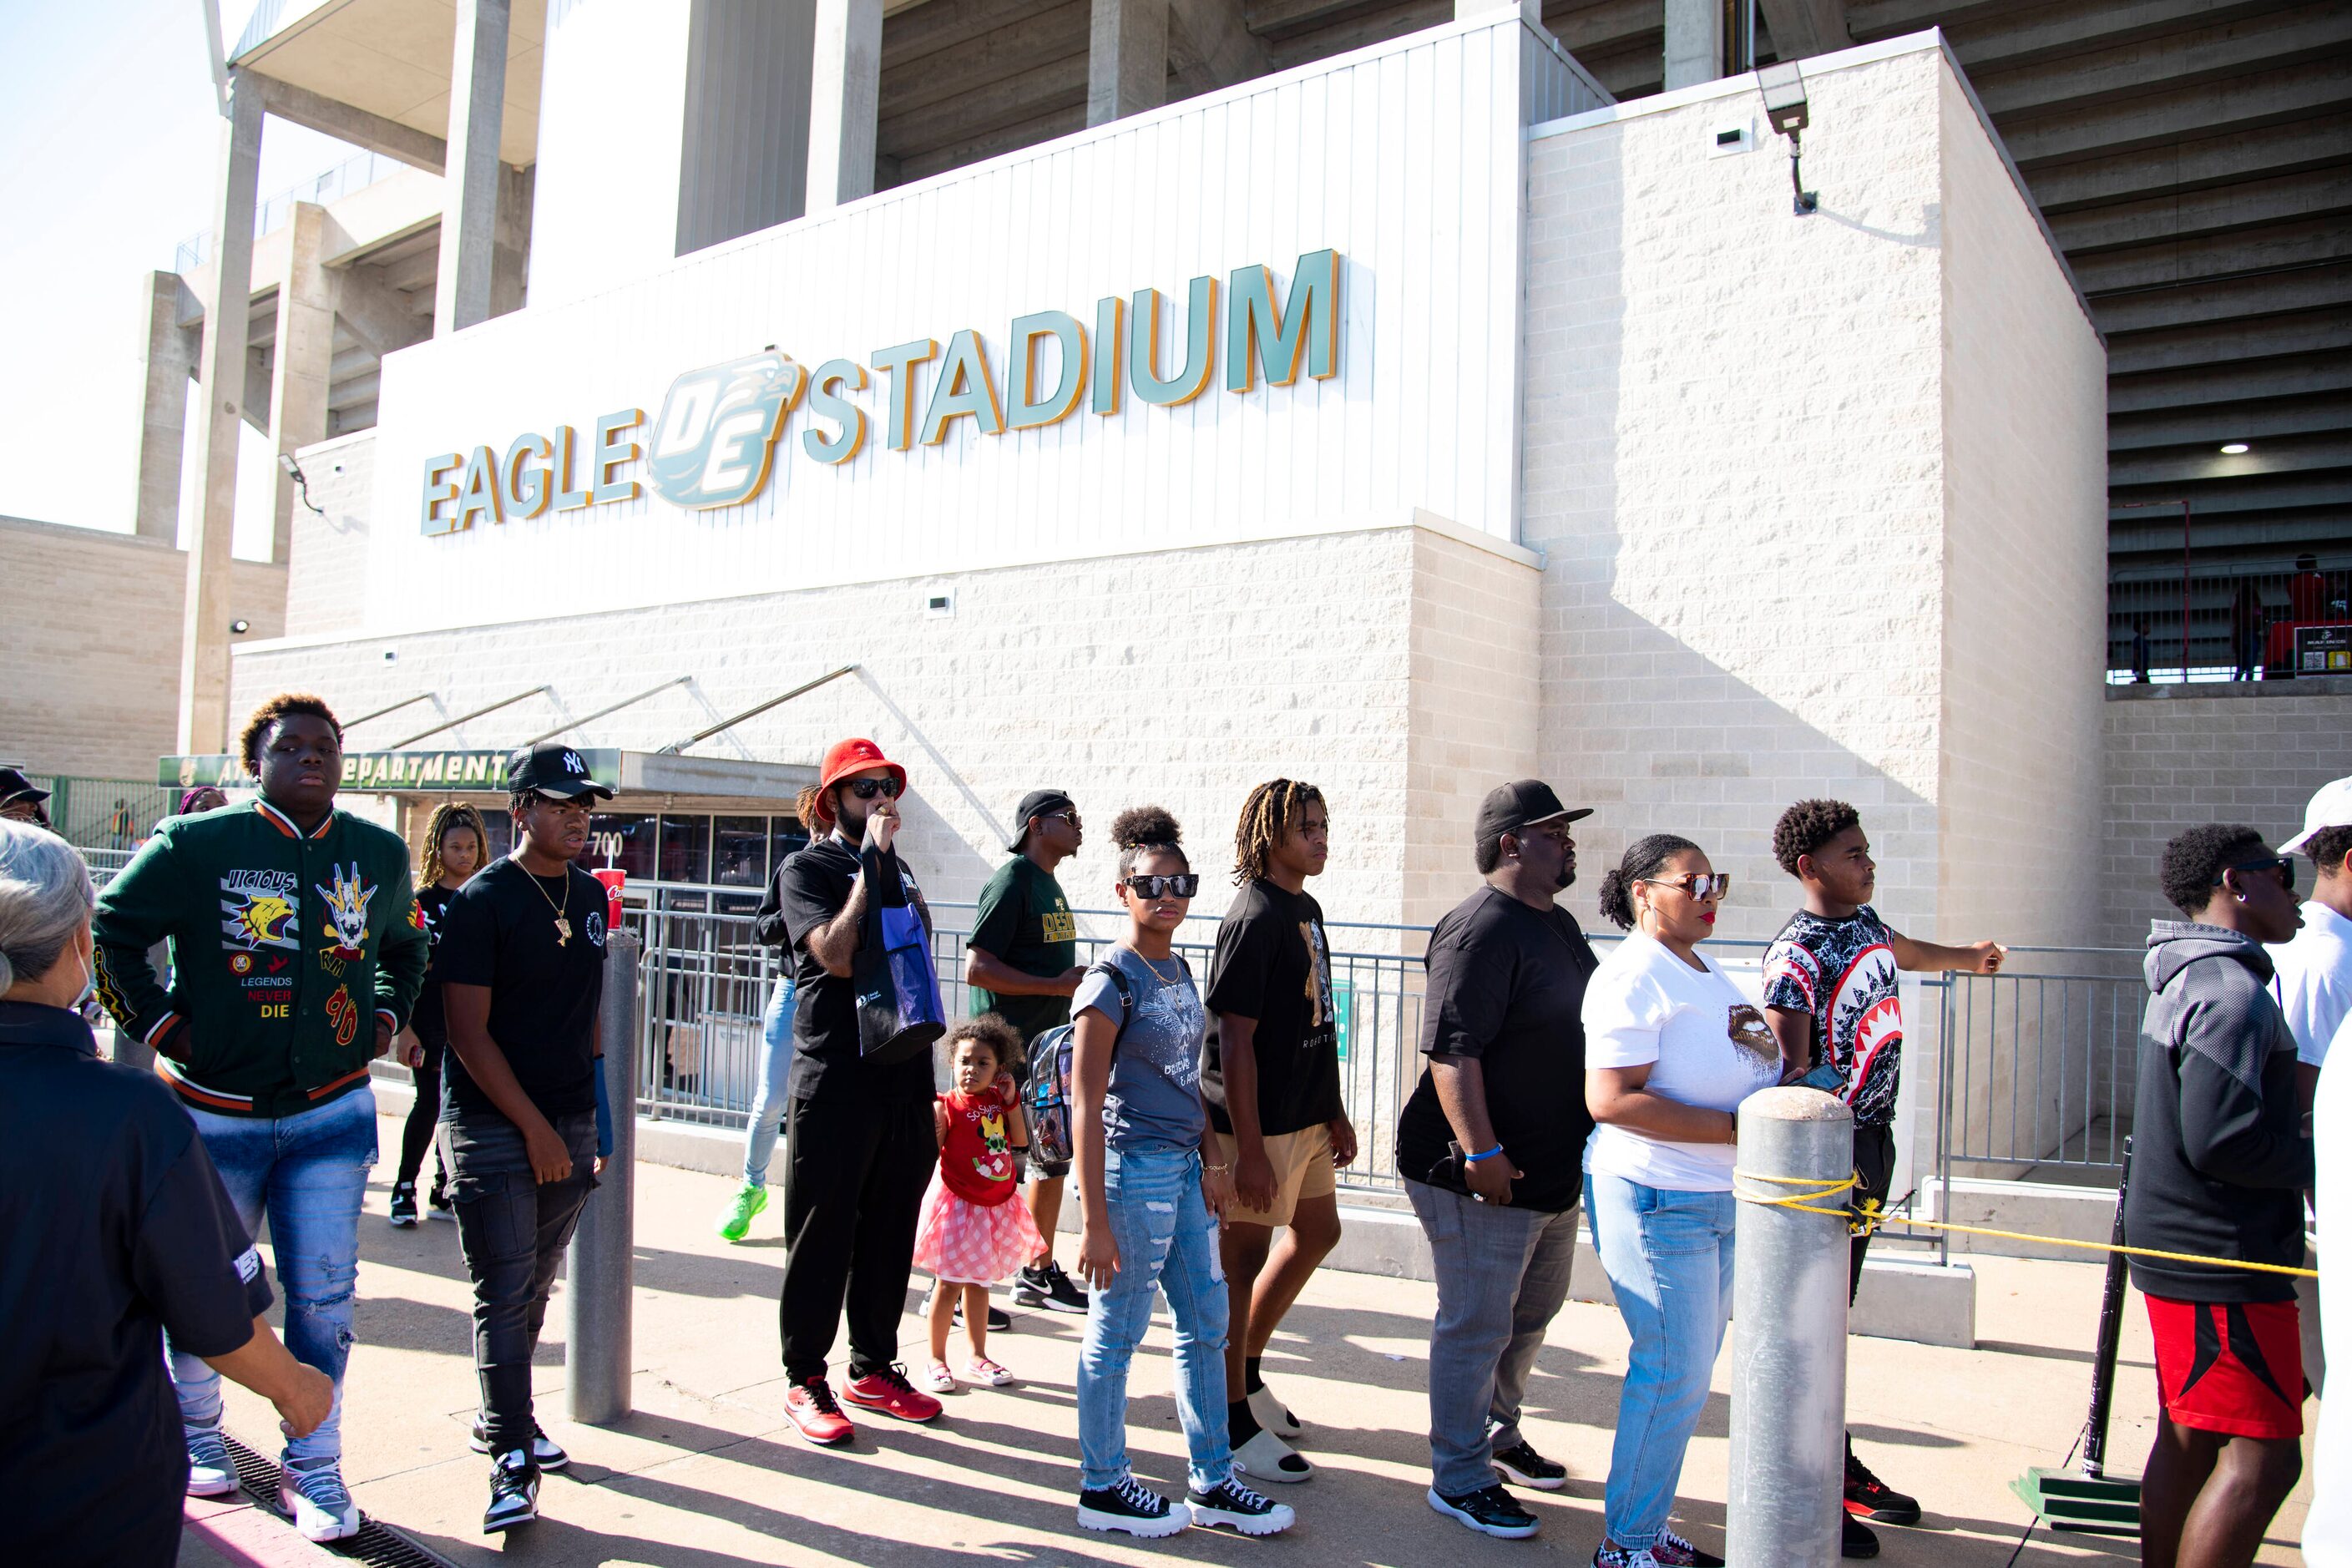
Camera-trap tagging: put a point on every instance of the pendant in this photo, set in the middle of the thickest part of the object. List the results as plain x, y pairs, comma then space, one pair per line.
562, 931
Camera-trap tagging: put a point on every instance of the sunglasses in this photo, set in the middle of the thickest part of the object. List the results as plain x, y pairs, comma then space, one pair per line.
2283, 864
1182, 886
1705, 885
866, 789
1069, 817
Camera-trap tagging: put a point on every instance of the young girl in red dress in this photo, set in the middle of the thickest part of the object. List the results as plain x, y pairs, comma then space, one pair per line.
972, 1234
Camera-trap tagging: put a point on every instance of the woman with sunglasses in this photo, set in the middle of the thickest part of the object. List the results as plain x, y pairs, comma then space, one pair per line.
1150, 1206
1671, 1048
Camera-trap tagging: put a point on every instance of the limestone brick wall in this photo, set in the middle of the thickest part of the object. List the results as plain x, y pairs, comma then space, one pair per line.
326, 568
92, 672
2179, 757
2024, 588
1733, 436
1179, 677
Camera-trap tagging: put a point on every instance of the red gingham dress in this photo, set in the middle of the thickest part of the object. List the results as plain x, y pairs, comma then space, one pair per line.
971, 1232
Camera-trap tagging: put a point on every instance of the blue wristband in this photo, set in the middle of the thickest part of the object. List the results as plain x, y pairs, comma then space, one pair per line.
1473, 1159
603, 1115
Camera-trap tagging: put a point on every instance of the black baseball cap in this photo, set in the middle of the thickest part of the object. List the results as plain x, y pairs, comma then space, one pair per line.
554, 769
1037, 803
1521, 804
14, 786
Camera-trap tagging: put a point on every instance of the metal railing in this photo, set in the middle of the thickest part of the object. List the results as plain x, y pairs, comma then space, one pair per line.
99, 815
274, 211
2240, 619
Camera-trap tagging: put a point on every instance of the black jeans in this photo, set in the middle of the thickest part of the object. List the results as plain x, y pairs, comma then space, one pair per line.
423, 1117
1873, 1162
855, 1174
513, 1232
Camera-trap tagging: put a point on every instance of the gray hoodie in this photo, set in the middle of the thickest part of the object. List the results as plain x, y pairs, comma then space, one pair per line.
2219, 1159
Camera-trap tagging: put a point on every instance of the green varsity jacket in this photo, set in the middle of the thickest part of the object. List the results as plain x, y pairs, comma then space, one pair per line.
285, 949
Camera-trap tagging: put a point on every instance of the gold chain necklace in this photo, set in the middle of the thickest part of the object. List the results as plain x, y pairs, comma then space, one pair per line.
1155, 969
562, 925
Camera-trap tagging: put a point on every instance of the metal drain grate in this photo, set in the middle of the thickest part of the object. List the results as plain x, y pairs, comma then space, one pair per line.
377, 1544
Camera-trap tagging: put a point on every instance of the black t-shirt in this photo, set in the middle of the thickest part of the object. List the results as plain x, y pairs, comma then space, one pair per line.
1506, 989
433, 904
1273, 963
499, 931
1024, 921
113, 1228
812, 888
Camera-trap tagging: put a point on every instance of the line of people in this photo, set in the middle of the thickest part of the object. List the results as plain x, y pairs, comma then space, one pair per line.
1202, 1118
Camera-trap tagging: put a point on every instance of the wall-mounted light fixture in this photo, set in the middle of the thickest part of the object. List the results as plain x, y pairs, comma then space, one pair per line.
238, 628
294, 471
1783, 88
2235, 449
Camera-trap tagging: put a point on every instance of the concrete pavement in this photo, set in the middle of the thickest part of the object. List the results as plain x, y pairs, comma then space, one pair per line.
708, 1474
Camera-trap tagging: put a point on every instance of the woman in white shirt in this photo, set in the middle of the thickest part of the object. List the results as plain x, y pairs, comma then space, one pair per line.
1671, 1048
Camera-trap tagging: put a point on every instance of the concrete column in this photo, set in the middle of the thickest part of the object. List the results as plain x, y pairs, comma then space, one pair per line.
510, 269
203, 631
171, 359
304, 357
1126, 59
1694, 42
844, 97
469, 211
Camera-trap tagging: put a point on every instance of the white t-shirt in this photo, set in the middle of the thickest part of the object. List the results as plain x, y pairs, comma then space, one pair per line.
1645, 1005
2327, 1531
2313, 984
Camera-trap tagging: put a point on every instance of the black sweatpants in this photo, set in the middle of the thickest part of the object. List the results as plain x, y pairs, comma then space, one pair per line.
1873, 1162
855, 1174
423, 1116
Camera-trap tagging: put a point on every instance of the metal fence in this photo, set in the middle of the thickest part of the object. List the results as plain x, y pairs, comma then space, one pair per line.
103, 816
2240, 619
2039, 1064
273, 211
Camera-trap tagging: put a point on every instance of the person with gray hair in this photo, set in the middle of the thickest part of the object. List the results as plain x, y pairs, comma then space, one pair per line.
113, 1227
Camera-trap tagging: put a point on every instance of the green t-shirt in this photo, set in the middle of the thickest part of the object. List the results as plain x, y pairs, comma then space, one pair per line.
1024, 921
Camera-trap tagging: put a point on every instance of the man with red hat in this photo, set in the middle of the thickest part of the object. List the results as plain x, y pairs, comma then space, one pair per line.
860, 1144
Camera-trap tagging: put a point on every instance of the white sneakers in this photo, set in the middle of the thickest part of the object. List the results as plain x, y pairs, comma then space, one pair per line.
211, 1472
312, 1490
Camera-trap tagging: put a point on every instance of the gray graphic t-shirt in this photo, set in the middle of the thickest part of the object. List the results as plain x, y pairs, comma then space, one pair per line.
1154, 1098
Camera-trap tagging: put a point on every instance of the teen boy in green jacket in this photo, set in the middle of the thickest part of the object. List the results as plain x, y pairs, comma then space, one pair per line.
297, 952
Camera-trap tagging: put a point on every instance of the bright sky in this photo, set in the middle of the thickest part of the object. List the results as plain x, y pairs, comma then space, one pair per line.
110, 153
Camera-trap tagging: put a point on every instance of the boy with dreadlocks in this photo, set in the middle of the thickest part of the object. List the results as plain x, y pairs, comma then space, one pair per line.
1270, 1072
1831, 1000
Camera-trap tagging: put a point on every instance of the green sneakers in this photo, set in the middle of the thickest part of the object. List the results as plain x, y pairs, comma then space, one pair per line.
749, 1201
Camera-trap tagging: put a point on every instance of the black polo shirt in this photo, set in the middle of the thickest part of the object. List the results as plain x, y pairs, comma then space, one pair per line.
113, 1227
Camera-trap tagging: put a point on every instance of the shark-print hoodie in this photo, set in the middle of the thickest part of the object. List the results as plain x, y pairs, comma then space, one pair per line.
2219, 1161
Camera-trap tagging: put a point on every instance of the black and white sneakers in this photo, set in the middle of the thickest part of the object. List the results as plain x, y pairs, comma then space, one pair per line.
514, 1492
1493, 1511
1252, 1513
543, 1450
1523, 1466
404, 1205
1134, 1508
1049, 1288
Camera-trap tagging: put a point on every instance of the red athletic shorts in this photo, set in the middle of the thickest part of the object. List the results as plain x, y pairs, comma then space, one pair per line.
2233, 1367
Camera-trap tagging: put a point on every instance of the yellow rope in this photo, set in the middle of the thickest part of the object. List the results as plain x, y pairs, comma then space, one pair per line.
1868, 1218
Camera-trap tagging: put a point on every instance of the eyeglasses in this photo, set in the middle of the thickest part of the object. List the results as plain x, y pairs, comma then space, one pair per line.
1701, 886
1182, 886
2282, 864
866, 789
1069, 817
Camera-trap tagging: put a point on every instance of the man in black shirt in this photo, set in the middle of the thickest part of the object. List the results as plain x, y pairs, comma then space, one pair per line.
1270, 1072
1491, 1147
113, 1225
521, 961
860, 1142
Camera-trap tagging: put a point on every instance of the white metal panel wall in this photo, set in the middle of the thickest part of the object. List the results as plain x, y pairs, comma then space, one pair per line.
612, 123
1405, 158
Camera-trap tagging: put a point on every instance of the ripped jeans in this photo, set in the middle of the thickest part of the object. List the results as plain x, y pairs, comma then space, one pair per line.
1165, 1236
307, 1172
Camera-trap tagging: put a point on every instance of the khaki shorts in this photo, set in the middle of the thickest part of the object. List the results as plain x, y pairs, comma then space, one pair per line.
1302, 1168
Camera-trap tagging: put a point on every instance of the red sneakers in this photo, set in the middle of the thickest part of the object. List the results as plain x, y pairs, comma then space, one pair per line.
810, 1407
885, 1389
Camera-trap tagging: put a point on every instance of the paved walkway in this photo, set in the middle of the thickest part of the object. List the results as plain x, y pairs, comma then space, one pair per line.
707, 1474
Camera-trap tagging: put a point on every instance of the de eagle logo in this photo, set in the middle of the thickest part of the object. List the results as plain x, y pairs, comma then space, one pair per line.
715, 440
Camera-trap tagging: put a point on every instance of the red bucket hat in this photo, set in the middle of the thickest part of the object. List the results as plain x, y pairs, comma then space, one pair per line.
843, 758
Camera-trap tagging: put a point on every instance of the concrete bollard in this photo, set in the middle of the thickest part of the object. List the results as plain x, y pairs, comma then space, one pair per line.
1789, 1306
597, 1350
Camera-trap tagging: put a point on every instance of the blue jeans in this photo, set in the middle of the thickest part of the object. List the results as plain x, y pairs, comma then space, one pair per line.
309, 1172
1502, 1274
769, 1104
1165, 1236
1668, 1256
